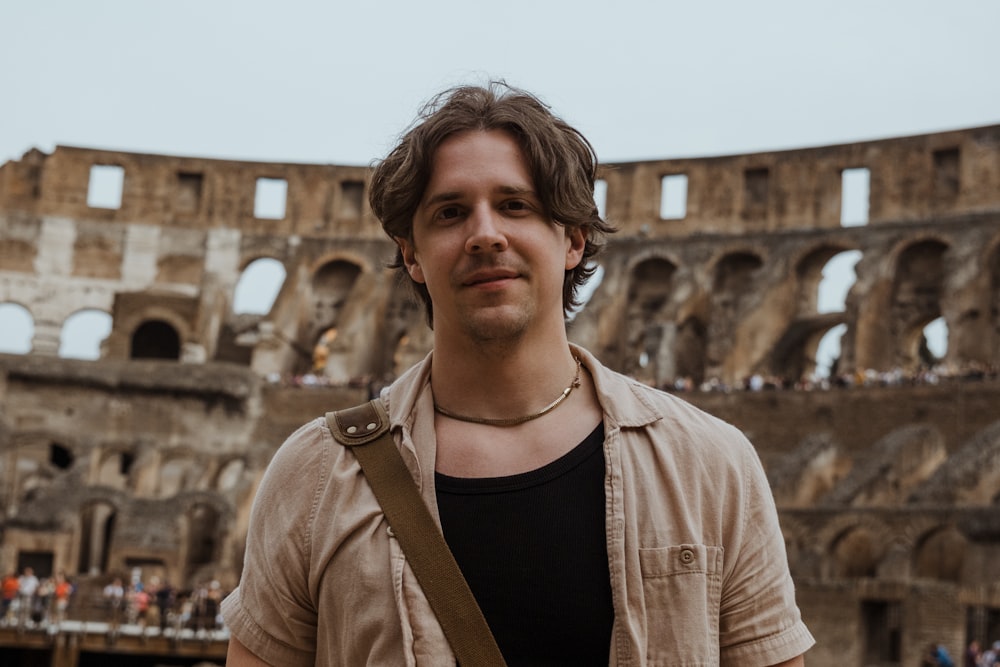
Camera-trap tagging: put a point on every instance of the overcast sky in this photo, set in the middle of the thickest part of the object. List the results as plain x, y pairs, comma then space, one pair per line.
336, 82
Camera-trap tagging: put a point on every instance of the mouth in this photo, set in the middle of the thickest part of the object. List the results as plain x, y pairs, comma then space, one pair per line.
487, 277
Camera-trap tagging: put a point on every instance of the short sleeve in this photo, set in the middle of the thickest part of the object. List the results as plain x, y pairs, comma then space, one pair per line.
272, 612
760, 622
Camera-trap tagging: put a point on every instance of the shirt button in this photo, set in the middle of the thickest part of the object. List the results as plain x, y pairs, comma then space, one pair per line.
687, 556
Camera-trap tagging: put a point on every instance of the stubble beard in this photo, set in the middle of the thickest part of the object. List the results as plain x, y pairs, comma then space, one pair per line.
499, 326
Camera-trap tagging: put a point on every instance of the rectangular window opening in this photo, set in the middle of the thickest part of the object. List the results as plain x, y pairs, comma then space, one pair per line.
882, 623
270, 198
756, 184
188, 196
351, 198
854, 197
673, 197
946, 172
104, 189
601, 197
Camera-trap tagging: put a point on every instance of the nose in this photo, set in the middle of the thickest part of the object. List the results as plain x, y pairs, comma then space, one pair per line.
486, 233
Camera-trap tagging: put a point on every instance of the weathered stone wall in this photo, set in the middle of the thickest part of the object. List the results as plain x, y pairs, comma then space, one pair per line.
888, 494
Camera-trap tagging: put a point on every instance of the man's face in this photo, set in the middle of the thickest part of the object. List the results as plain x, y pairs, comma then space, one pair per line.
491, 260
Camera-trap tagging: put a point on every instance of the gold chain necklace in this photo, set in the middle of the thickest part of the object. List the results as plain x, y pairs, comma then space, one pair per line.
513, 421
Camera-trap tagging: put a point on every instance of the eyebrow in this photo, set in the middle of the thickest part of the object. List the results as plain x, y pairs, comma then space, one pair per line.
443, 197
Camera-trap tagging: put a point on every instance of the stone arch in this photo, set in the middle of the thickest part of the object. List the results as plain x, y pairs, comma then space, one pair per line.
98, 519
114, 468
917, 289
18, 328
856, 553
852, 542
203, 531
83, 334
690, 348
179, 472
646, 318
155, 339
229, 475
258, 286
734, 290
330, 287
812, 273
940, 554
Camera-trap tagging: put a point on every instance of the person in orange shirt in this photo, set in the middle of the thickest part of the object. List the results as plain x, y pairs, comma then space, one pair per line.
10, 586
63, 590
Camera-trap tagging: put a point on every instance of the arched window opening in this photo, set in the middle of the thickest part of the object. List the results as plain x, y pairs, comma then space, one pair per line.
203, 522
331, 287
175, 476
60, 457
838, 279
97, 524
115, 469
16, 329
941, 555
155, 339
689, 353
82, 334
856, 554
916, 301
648, 300
258, 287
935, 340
828, 352
230, 475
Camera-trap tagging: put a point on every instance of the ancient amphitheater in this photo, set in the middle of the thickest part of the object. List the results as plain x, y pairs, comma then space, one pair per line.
887, 479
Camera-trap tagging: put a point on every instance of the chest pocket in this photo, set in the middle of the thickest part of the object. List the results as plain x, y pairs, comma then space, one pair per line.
682, 586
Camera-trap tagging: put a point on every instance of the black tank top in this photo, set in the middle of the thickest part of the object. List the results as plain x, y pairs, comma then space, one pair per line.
533, 548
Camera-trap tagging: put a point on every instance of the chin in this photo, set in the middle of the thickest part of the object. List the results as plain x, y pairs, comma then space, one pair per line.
499, 324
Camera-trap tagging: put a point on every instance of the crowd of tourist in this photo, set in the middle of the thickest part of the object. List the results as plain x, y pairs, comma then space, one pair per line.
936, 655
869, 377
30, 601
896, 377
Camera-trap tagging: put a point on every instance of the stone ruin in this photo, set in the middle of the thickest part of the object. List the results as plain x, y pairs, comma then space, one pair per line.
887, 474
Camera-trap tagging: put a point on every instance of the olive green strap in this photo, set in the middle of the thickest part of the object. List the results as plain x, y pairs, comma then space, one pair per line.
365, 429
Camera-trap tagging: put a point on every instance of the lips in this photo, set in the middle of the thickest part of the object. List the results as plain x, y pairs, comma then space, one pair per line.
488, 276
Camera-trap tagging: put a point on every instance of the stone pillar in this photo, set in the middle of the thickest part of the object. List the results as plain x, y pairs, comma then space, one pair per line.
222, 256
46, 338
65, 652
139, 259
55, 247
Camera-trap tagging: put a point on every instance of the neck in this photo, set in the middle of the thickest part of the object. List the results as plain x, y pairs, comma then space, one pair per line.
500, 382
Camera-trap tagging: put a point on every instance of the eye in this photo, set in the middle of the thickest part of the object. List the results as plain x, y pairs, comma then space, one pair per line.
448, 213
517, 206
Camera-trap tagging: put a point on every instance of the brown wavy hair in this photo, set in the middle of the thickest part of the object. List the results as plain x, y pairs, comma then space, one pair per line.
561, 161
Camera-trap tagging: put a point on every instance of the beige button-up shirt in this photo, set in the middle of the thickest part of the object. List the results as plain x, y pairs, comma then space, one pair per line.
697, 561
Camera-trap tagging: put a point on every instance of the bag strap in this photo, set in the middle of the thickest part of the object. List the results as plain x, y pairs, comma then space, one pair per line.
365, 429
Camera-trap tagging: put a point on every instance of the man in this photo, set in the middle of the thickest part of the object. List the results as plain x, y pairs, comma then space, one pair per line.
27, 587
598, 521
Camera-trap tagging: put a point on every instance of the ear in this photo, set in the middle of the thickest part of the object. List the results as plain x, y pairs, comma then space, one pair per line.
409, 254
576, 240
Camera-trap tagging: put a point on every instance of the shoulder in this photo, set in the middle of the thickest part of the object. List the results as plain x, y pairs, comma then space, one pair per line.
629, 404
299, 470
308, 445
